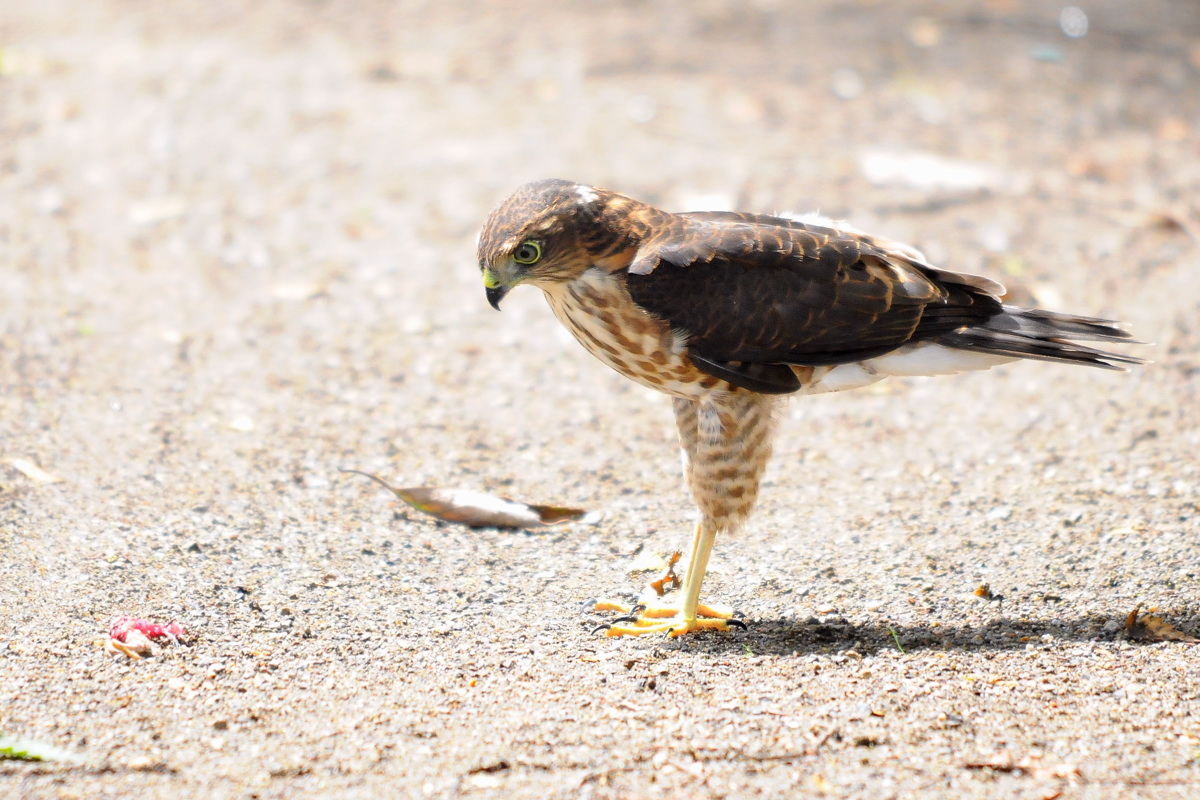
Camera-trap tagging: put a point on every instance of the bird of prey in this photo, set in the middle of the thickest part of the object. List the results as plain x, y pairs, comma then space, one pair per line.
728, 313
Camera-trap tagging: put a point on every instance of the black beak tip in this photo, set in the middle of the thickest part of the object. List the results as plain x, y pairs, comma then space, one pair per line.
494, 296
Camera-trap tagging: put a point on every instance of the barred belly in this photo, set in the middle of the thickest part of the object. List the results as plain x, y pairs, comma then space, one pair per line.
598, 311
725, 432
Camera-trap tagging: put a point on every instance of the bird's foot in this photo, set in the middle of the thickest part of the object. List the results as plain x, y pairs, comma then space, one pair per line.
648, 615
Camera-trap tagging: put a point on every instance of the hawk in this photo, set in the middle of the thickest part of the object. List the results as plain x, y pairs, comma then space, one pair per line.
729, 313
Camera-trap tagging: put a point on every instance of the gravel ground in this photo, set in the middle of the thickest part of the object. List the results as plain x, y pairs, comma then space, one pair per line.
237, 253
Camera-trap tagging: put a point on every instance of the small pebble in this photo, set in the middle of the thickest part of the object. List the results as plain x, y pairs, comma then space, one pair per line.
999, 513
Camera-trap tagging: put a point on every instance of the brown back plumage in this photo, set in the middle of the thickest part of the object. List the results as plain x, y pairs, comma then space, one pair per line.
753, 293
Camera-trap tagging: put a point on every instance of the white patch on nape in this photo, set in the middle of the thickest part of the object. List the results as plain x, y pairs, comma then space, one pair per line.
586, 194
933, 359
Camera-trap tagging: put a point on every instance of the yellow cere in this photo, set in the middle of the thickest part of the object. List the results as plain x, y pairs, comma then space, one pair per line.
489, 279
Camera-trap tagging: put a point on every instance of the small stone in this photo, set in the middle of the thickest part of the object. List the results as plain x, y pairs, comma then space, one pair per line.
847, 84
859, 711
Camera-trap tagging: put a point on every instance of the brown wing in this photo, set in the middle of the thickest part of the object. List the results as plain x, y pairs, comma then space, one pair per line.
757, 290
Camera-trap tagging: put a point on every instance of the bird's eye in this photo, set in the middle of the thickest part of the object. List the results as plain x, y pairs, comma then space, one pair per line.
527, 252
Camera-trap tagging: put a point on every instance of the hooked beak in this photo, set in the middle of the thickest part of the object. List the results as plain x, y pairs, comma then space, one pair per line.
494, 288
495, 294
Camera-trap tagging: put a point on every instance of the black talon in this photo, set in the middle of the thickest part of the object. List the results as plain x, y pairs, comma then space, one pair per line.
629, 618
599, 628
738, 615
737, 623
637, 607
590, 603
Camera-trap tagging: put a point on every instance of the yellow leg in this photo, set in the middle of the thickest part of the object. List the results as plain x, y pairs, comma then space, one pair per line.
678, 617
702, 545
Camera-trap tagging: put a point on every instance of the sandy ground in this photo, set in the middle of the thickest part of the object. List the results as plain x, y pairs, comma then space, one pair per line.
237, 253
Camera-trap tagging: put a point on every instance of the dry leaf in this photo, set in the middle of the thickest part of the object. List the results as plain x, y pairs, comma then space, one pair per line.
668, 580
32, 471
477, 509
1030, 765
1151, 628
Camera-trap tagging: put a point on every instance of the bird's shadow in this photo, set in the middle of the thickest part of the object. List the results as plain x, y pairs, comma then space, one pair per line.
785, 637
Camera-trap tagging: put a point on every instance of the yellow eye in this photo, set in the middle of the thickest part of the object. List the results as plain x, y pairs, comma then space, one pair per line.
527, 252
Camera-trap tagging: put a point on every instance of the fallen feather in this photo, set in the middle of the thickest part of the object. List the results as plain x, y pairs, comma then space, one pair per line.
477, 509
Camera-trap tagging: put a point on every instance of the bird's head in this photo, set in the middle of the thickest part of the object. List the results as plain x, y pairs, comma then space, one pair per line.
550, 232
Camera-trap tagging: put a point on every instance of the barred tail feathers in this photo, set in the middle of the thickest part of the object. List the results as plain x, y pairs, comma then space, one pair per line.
1046, 336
